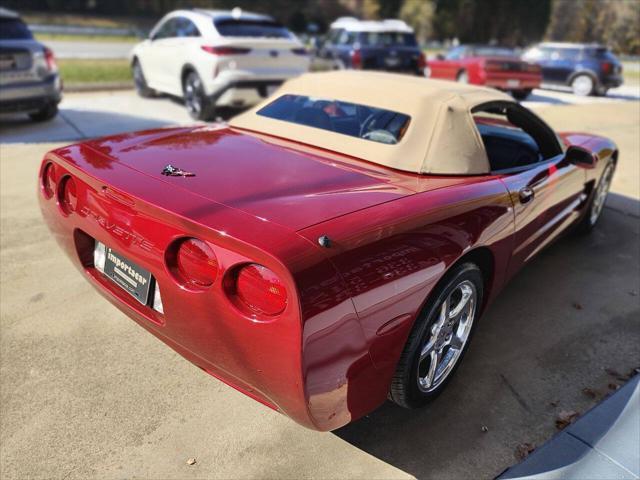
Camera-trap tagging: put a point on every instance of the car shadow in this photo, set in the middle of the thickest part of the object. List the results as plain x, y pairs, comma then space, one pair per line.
71, 125
568, 315
77, 124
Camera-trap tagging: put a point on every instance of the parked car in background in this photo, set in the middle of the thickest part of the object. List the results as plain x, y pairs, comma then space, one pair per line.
216, 58
29, 78
388, 45
589, 69
491, 66
334, 246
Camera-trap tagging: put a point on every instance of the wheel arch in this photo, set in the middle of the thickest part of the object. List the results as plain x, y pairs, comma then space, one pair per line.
187, 68
481, 256
590, 73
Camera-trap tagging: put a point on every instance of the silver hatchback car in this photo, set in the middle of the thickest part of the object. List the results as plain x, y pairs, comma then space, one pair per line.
29, 79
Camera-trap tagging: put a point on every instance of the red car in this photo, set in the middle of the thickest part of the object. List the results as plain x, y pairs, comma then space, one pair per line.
490, 66
333, 247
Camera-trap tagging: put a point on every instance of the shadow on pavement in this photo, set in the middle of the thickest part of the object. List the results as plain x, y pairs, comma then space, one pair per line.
568, 315
71, 125
604, 443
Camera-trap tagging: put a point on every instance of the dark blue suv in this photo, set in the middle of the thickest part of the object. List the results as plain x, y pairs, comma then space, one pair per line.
388, 45
589, 69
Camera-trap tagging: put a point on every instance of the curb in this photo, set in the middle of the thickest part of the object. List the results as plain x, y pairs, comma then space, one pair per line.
97, 87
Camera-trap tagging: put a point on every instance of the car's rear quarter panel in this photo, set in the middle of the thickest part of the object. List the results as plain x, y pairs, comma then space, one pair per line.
391, 257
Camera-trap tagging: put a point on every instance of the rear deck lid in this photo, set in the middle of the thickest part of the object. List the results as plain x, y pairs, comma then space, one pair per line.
273, 180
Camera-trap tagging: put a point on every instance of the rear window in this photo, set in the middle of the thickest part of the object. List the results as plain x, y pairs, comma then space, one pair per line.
361, 121
251, 28
14, 29
388, 39
600, 52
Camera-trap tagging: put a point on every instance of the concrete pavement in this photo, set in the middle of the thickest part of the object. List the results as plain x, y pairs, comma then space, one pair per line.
85, 393
603, 444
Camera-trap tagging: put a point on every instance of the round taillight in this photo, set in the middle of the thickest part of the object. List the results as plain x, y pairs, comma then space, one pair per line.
195, 263
260, 290
48, 180
67, 195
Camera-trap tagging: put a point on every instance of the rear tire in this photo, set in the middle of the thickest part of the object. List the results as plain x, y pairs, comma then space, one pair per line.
195, 99
140, 81
45, 113
598, 200
583, 85
601, 91
521, 94
439, 338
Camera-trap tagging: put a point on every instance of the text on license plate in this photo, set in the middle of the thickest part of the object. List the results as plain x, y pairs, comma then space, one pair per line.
131, 277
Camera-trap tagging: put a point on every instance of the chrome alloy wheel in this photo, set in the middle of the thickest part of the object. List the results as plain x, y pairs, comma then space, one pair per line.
447, 337
582, 85
600, 195
192, 99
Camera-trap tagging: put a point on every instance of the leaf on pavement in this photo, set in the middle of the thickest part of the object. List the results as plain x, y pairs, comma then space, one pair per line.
523, 450
565, 418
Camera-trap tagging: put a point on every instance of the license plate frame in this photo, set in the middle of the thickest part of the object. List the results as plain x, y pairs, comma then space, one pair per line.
128, 275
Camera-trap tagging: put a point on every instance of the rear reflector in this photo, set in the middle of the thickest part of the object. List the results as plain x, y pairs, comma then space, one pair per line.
48, 180
226, 50
356, 58
194, 264
157, 299
99, 256
50, 59
260, 290
422, 62
67, 195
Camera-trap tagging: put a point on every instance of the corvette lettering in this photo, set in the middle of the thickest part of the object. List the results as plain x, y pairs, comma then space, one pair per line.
117, 230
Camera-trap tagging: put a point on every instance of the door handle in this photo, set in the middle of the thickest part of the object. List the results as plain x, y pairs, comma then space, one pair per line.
525, 194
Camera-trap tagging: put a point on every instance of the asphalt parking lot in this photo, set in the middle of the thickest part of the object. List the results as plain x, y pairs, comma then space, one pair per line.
85, 393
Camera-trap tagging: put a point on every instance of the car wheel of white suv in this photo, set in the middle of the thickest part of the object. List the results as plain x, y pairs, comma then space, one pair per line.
140, 82
195, 99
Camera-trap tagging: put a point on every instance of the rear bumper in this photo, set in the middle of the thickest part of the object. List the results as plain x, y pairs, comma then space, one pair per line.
30, 96
244, 88
611, 81
244, 92
512, 80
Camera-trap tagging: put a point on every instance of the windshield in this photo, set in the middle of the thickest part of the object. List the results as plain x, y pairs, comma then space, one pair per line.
361, 121
385, 39
14, 29
251, 28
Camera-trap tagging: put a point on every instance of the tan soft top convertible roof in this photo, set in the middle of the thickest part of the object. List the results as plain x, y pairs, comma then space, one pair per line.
441, 137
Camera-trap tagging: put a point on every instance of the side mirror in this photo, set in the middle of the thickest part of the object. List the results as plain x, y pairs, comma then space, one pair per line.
439, 56
581, 157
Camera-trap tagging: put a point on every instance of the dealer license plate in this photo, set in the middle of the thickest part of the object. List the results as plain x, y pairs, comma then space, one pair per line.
132, 278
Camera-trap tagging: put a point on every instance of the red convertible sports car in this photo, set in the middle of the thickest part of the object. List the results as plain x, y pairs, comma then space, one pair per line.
496, 67
333, 247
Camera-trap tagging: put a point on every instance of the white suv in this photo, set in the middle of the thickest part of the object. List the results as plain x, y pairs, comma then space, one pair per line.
216, 58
